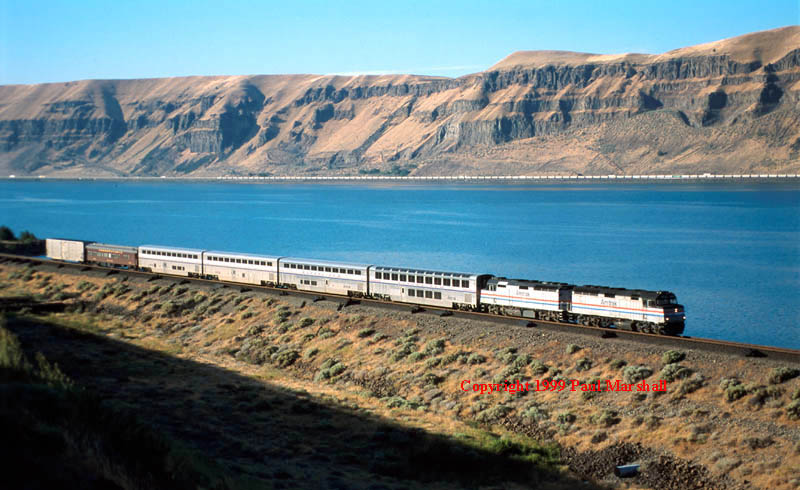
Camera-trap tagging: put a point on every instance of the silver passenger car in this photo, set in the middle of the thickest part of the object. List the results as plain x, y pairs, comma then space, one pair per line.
435, 288
171, 260
324, 276
239, 267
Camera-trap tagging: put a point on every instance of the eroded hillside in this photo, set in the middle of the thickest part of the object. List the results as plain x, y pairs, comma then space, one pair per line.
728, 106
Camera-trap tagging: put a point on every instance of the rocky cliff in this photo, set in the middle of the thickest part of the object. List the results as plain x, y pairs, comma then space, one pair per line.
728, 106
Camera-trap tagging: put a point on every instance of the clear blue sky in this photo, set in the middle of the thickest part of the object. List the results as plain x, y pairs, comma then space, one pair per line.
46, 41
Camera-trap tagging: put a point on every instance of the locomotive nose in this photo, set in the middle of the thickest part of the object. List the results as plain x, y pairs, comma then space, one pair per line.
674, 313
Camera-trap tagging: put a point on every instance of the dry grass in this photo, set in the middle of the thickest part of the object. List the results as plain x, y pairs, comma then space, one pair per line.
422, 389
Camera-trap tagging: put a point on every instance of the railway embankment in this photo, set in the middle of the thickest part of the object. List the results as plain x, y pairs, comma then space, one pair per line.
297, 392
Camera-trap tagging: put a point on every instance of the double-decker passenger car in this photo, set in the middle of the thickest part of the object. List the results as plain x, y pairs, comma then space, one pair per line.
169, 260
529, 299
324, 276
112, 255
434, 288
239, 267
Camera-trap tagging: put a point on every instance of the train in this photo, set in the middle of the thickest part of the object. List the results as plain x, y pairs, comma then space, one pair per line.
639, 310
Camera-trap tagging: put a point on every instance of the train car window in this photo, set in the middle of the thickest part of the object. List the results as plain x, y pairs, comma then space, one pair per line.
420, 279
526, 287
394, 277
306, 267
327, 269
635, 298
358, 272
269, 264
437, 295
429, 294
428, 280
411, 279
610, 295
446, 281
403, 277
437, 281
350, 271
464, 284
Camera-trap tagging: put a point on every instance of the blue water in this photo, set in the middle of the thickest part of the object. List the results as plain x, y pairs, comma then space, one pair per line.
729, 251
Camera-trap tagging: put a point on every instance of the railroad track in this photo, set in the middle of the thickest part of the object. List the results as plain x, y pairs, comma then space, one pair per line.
713, 345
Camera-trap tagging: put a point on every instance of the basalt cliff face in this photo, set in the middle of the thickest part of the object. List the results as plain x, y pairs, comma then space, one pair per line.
726, 107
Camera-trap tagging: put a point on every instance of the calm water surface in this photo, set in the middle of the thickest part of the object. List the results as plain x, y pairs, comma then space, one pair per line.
730, 251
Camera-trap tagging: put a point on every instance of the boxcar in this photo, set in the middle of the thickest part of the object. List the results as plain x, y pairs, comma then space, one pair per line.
112, 255
169, 260
70, 250
324, 276
434, 288
239, 267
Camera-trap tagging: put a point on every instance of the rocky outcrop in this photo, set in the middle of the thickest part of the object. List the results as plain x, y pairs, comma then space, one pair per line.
729, 106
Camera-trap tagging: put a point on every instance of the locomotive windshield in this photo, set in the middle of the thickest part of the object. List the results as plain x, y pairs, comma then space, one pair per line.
666, 299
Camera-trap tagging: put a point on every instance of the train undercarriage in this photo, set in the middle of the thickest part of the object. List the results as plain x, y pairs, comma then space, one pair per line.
672, 328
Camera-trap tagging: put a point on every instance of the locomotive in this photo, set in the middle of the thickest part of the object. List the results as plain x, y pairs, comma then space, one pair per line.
601, 306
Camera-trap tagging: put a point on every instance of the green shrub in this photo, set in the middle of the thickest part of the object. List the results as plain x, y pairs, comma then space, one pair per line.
762, 394
536, 413
692, 384
782, 374
584, 364
605, 419
634, 374
573, 348
475, 358
671, 372
793, 411
400, 402
247, 314
434, 347
432, 379
566, 418
673, 356
6, 234
286, 358
734, 392
416, 356
309, 353
522, 360
652, 422
538, 368
365, 332
507, 355
433, 362
85, 286
493, 414
618, 364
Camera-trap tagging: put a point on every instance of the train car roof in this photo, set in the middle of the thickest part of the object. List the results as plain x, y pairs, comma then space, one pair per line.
619, 291
407, 270
241, 254
112, 246
324, 263
165, 247
532, 283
